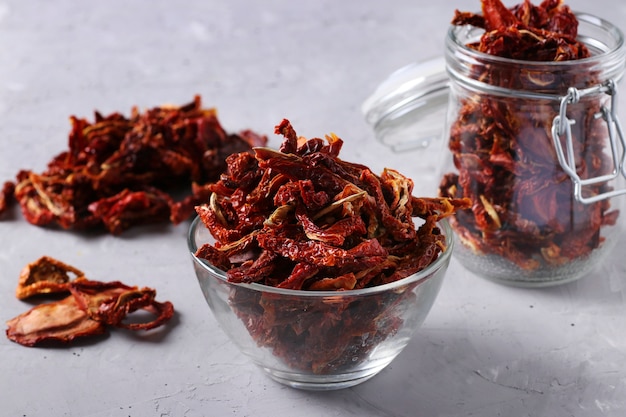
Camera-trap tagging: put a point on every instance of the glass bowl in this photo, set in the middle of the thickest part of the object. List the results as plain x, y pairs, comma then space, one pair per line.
319, 340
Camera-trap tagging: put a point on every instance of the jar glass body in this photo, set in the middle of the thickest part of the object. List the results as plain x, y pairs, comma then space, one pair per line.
527, 226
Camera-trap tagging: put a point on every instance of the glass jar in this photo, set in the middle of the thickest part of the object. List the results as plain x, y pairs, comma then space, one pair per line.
537, 147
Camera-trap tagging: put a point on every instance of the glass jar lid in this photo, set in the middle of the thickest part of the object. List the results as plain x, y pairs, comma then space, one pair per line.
408, 109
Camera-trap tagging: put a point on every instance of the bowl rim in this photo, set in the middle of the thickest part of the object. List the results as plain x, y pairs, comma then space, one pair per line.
422, 275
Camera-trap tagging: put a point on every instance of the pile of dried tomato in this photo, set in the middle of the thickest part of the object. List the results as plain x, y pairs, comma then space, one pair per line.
523, 207
87, 310
301, 218
119, 171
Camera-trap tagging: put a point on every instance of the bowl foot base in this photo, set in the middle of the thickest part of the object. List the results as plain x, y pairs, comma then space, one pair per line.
321, 382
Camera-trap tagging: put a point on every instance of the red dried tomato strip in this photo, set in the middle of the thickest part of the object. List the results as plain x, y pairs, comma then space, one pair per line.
365, 254
294, 168
397, 224
334, 234
215, 257
497, 16
254, 270
290, 144
127, 208
342, 282
299, 275
440, 208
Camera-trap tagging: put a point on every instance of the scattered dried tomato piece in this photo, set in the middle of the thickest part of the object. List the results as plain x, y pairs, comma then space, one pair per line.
44, 276
88, 310
301, 218
111, 302
119, 172
60, 321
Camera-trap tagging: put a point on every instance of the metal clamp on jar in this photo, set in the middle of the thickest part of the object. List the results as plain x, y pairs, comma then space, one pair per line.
562, 132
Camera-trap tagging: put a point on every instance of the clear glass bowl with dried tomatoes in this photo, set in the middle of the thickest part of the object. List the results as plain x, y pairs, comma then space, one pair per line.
319, 340
318, 269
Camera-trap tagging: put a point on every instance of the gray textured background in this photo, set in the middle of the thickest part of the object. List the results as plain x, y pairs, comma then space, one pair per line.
485, 350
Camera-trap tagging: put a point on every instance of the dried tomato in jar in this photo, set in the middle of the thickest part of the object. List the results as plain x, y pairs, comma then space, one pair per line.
533, 140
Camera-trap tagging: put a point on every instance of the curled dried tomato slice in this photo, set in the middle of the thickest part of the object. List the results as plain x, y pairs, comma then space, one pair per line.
111, 302
45, 275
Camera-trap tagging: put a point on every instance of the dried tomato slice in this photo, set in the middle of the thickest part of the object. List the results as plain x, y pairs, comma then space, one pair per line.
45, 275
111, 302
61, 321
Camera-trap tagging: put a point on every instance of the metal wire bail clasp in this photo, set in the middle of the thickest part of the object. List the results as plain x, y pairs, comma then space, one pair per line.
561, 127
